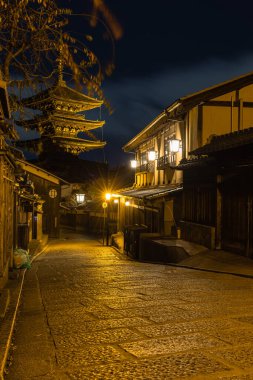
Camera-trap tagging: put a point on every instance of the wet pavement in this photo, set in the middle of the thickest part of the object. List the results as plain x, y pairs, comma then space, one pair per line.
89, 312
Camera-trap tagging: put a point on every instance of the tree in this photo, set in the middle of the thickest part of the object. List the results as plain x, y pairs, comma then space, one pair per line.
35, 41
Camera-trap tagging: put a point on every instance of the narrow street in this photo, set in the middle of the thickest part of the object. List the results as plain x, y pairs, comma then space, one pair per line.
89, 312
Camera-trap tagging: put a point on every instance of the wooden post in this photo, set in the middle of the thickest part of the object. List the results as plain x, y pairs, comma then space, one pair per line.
249, 226
218, 211
1, 215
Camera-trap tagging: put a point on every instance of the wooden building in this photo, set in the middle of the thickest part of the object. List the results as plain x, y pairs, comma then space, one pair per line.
155, 198
177, 133
218, 193
7, 183
217, 115
45, 211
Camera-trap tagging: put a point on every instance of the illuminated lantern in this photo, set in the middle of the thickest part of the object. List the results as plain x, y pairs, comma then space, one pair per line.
133, 164
151, 155
80, 198
174, 145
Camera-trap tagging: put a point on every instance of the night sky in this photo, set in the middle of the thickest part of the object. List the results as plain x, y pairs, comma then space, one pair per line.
168, 50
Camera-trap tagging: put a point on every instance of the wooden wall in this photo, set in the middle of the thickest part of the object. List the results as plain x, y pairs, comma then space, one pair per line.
6, 215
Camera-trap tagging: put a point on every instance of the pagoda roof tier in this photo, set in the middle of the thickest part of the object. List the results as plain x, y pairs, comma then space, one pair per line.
77, 122
61, 97
68, 144
76, 145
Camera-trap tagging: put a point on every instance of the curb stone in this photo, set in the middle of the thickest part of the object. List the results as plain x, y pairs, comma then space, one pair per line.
8, 322
4, 302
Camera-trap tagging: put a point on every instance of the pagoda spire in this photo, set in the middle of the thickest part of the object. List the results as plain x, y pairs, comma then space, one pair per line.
60, 64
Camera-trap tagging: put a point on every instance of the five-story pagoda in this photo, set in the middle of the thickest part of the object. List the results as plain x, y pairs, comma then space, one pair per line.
61, 120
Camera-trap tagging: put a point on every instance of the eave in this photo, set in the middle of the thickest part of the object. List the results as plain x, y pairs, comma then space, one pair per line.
222, 143
33, 169
74, 143
78, 123
189, 101
151, 192
63, 95
145, 133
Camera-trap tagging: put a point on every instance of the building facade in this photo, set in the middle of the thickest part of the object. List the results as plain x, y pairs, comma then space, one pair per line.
7, 187
155, 198
218, 193
45, 208
188, 124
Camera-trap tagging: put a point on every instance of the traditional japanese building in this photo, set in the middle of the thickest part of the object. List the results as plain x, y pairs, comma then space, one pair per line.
7, 184
61, 120
193, 169
43, 211
218, 193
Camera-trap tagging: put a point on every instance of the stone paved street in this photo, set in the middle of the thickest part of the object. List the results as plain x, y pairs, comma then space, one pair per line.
88, 312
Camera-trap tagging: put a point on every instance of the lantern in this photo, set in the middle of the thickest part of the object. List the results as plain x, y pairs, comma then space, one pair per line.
133, 164
80, 198
151, 155
174, 145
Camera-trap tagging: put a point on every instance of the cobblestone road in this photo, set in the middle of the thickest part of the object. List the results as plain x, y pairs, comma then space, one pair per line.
90, 313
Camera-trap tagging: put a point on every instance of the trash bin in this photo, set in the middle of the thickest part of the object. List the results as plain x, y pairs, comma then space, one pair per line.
126, 239
134, 232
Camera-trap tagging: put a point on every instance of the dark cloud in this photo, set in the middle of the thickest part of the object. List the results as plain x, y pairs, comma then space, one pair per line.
164, 34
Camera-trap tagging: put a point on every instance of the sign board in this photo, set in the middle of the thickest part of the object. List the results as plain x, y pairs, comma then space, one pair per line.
104, 204
52, 193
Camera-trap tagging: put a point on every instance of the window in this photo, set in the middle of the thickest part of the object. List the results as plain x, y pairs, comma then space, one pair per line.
170, 155
143, 158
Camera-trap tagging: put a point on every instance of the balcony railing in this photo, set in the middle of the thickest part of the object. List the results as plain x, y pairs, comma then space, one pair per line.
148, 167
166, 161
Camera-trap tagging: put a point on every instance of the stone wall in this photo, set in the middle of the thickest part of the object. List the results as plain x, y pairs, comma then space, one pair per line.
198, 233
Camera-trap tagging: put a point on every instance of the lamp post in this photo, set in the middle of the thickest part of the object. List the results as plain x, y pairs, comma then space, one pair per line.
106, 206
117, 203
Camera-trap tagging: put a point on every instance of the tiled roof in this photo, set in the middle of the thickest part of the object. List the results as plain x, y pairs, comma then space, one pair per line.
25, 165
66, 140
195, 163
225, 142
61, 92
75, 120
190, 100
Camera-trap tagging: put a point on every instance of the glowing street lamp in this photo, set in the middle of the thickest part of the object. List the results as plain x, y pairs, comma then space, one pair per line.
108, 196
127, 203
